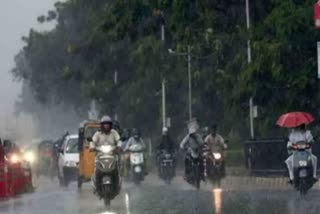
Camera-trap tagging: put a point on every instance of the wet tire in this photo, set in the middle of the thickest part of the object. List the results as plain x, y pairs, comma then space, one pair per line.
303, 187
196, 178
168, 175
106, 195
66, 182
80, 181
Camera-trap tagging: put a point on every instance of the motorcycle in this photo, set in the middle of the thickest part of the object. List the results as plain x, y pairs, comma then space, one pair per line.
195, 174
137, 163
302, 167
107, 171
213, 165
166, 166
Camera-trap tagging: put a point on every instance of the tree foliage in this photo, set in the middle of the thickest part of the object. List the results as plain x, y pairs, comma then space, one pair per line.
76, 61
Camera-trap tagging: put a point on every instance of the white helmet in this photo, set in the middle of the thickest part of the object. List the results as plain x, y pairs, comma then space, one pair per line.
193, 126
106, 119
165, 130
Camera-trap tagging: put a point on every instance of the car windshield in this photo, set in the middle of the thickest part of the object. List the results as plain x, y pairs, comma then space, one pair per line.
90, 131
72, 146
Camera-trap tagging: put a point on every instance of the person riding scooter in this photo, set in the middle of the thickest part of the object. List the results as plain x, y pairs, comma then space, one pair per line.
192, 144
300, 134
137, 139
106, 136
216, 143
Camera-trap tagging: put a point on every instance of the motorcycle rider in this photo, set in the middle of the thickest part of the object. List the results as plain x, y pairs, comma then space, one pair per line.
166, 144
216, 143
137, 139
106, 136
191, 143
296, 135
125, 136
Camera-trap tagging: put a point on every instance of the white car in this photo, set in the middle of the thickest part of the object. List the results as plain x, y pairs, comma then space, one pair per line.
69, 160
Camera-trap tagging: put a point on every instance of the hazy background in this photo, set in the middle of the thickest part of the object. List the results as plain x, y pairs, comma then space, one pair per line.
16, 19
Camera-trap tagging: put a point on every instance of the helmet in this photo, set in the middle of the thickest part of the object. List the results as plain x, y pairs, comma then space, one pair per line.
106, 119
193, 126
136, 132
165, 130
125, 133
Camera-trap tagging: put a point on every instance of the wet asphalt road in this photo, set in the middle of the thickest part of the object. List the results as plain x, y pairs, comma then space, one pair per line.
241, 195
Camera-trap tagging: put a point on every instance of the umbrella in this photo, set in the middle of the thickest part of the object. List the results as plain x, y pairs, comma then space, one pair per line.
294, 119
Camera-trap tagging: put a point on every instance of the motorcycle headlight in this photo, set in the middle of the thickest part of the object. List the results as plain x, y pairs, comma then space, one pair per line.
29, 156
14, 159
106, 149
217, 156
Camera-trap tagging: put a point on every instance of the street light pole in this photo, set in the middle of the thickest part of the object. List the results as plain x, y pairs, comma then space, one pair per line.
249, 61
164, 116
248, 28
188, 54
164, 103
189, 83
116, 83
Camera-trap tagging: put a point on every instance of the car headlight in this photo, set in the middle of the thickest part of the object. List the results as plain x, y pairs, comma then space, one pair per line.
14, 159
217, 156
29, 156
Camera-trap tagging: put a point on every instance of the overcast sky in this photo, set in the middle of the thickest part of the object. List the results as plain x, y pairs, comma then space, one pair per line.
16, 19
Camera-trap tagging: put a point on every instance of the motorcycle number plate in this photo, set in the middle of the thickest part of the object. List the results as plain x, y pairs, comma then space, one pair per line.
302, 163
136, 158
137, 169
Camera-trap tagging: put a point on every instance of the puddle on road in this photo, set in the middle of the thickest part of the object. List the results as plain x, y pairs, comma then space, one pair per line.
264, 202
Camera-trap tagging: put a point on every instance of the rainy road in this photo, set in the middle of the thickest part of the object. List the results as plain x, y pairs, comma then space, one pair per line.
238, 195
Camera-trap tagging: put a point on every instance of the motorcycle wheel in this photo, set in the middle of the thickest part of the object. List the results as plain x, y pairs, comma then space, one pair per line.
66, 180
167, 176
136, 180
196, 178
303, 187
106, 195
80, 182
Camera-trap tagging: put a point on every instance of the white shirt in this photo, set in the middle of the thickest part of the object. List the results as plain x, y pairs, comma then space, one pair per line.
100, 138
298, 136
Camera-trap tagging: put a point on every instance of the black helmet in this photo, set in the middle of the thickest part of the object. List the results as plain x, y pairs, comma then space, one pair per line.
136, 132
125, 133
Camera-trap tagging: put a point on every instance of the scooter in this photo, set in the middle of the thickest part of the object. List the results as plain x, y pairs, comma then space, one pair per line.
302, 167
107, 171
213, 163
136, 163
166, 167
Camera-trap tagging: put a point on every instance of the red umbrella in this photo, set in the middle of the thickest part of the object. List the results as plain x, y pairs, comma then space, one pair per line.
294, 119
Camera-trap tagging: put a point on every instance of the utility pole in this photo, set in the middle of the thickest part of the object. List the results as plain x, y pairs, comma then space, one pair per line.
164, 116
189, 83
249, 62
116, 83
